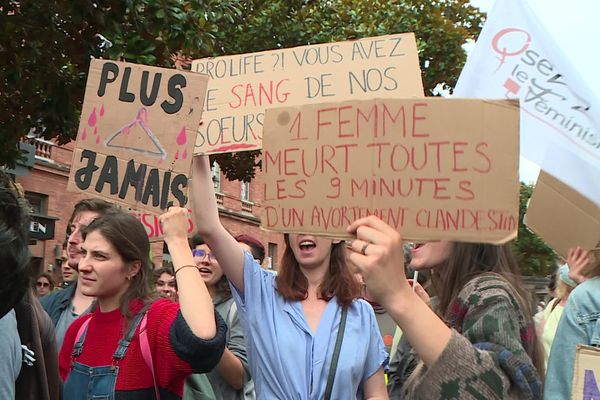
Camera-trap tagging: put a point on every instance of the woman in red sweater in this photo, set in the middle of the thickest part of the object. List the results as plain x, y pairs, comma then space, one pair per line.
133, 346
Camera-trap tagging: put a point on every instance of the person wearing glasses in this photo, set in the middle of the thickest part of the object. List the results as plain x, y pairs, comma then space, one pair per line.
231, 379
309, 335
44, 284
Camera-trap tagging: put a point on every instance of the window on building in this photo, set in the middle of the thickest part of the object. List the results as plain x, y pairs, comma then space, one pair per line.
216, 177
38, 202
245, 191
272, 256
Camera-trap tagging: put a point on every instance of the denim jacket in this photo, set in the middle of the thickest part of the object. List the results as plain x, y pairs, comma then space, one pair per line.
56, 302
580, 324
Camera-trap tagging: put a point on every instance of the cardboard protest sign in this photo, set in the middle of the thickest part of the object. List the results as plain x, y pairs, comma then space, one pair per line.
432, 168
152, 225
136, 135
242, 86
586, 373
562, 217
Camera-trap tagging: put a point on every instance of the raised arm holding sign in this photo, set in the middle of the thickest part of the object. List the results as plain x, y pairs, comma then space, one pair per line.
442, 172
311, 304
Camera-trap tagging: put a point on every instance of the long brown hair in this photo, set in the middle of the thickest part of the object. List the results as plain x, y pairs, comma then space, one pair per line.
468, 260
339, 280
129, 238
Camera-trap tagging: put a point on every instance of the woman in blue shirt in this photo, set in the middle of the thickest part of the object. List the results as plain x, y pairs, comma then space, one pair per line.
292, 320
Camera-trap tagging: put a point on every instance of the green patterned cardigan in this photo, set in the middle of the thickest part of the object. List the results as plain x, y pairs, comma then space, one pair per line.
488, 353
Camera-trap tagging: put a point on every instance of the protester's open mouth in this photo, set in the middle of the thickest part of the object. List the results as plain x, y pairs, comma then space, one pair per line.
307, 245
416, 246
204, 270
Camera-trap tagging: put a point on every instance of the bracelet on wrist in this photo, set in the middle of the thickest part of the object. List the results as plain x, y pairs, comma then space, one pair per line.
185, 266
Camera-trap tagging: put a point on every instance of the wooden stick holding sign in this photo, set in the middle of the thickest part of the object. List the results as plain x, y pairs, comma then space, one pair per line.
433, 168
137, 133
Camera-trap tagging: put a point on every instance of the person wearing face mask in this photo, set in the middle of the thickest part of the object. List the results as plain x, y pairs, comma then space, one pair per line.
478, 342
308, 334
578, 326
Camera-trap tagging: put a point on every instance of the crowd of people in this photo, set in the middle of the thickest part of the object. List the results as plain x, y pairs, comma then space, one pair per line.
213, 324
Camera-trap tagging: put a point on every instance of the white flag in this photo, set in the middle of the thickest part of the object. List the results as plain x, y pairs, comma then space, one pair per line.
516, 57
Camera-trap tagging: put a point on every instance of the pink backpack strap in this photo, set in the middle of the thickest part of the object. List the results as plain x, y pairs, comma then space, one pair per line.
146, 354
82, 329
79, 338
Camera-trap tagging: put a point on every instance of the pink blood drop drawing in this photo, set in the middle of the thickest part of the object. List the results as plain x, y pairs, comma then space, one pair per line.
184, 154
177, 155
102, 110
92, 119
95, 130
83, 134
97, 139
182, 137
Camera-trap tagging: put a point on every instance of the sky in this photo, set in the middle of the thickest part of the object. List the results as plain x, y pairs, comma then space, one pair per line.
575, 36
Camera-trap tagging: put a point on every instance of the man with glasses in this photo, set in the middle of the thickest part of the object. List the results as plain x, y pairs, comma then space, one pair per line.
66, 305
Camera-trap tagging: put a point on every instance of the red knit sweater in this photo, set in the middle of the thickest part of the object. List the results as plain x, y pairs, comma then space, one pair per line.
103, 334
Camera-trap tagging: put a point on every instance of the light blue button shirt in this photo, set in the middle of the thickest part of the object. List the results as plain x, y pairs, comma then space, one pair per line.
579, 324
287, 360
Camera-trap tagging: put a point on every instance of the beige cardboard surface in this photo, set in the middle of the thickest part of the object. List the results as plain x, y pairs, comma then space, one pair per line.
586, 373
136, 135
432, 168
152, 224
562, 217
242, 86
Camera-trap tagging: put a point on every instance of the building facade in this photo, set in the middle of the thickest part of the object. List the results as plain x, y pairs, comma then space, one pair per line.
45, 187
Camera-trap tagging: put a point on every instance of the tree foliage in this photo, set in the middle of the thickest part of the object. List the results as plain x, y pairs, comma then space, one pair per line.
46, 47
534, 256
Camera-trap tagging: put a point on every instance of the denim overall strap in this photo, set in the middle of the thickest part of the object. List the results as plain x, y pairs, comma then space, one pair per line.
126, 339
86, 382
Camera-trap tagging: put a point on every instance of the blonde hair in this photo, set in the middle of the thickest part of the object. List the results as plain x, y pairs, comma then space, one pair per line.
594, 268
